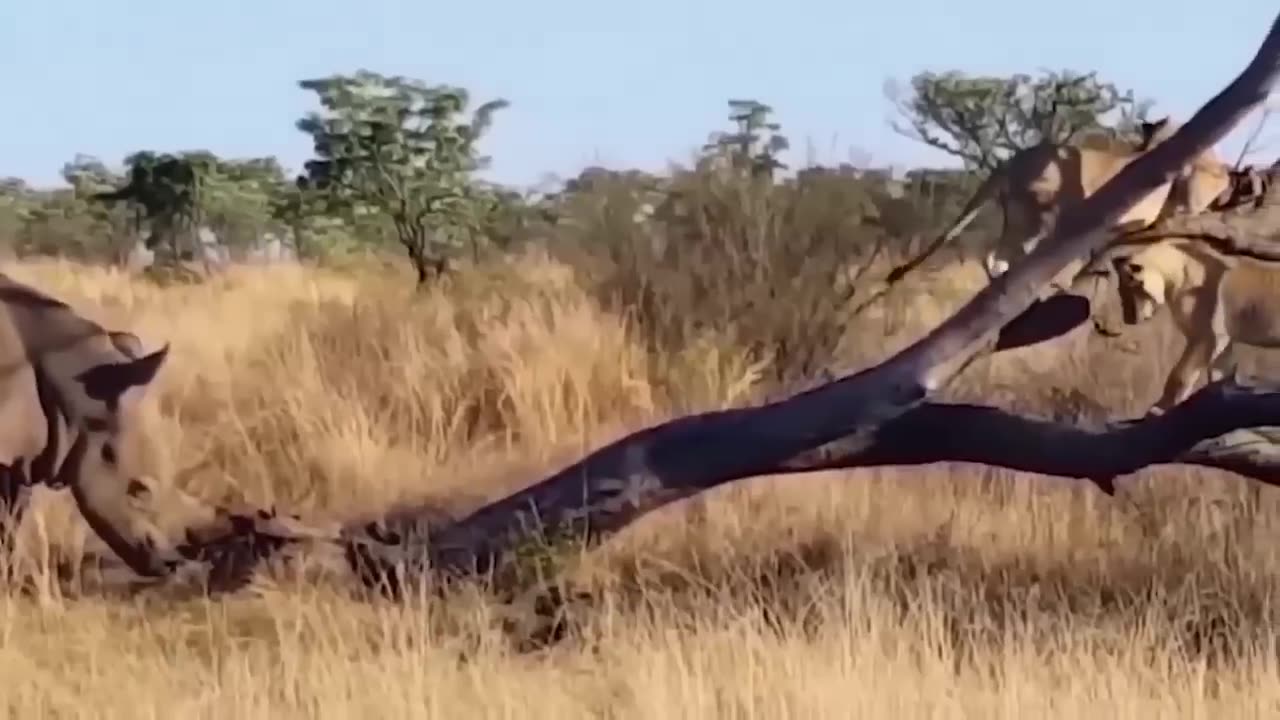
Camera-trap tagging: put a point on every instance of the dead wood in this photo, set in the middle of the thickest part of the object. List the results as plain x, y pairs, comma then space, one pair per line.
615, 485
1224, 425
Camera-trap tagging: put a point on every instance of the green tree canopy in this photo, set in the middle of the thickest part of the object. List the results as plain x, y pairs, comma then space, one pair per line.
984, 119
401, 150
164, 191
68, 222
238, 198
756, 142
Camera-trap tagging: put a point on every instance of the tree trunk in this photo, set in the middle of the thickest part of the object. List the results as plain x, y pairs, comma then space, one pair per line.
416, 241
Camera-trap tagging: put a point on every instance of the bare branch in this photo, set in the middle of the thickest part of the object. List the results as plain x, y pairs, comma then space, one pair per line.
1222, 426
924, 108
919, 131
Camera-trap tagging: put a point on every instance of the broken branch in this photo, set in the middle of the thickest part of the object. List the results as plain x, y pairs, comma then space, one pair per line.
1222, 426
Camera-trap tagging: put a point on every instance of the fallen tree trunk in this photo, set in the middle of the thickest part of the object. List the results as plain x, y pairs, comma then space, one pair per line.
1222, 426
613, 486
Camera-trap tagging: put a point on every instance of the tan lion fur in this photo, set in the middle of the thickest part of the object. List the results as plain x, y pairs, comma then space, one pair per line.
1202, 183
1215, 300
1036, 184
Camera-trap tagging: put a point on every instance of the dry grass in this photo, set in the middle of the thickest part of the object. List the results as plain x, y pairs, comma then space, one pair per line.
950, 592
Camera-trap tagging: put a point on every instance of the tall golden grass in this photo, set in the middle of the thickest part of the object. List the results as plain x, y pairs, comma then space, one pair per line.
948, 591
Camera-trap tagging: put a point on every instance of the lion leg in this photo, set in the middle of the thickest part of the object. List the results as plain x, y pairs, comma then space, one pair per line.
1030, 244
1180, 197
1198, 356
1204, 188
1224, 365
998, 263
1223, 356
1062, 281
993, 264
1037, 224
1024, 227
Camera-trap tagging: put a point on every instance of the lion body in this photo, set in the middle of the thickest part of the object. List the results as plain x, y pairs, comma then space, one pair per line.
1037, 184
1216, 300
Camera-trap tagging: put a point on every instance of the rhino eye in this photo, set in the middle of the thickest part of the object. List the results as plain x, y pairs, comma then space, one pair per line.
96, 424
109, 454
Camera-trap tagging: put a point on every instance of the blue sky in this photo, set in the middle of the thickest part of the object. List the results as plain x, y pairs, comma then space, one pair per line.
622, 84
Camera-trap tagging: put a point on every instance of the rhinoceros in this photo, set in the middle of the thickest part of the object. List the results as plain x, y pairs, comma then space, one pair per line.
69, 400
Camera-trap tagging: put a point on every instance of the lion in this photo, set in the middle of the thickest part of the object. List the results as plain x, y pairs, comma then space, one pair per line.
1216, 300
1039, 182
1202, 184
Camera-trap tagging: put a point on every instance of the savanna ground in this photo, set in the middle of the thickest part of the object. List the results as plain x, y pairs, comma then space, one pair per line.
945, 591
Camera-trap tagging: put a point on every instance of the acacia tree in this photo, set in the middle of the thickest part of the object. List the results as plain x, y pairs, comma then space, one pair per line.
984, 119
399, 149
164, 191
756, 143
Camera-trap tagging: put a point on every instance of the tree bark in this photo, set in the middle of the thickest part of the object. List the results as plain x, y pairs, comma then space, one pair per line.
1222, 426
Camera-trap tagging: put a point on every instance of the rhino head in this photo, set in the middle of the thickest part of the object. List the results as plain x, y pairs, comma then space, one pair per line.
99, 390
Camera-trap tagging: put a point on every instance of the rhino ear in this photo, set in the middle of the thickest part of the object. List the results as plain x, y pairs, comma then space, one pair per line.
126, 342
108, 381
